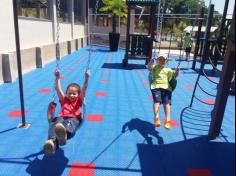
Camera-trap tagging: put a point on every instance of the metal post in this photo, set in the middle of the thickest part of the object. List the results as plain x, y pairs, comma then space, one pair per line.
205, 48
125, 60
224, 85
207, 36
17, 39
171, 36
197, 46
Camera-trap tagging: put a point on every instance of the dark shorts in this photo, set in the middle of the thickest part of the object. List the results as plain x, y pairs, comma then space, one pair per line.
188, 50
162, 96
71, 125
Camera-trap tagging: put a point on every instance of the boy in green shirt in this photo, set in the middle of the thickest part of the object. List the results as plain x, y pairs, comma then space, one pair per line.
161, 89
188, 42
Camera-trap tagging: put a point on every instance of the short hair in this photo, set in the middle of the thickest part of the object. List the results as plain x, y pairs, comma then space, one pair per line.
73, 85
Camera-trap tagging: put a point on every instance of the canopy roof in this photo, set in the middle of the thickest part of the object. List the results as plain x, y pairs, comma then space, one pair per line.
142, 2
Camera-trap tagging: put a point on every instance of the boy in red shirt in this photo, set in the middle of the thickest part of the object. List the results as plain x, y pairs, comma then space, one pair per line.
69, 119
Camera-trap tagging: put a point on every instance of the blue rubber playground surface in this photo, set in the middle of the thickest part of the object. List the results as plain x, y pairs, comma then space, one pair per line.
118, 99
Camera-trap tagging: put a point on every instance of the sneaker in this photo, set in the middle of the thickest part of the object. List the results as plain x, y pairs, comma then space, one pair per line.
168, 125
157, 122
49, 147
61, 134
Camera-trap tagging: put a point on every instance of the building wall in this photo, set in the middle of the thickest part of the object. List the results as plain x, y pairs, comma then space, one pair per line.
34, 32
7, 36
37, 39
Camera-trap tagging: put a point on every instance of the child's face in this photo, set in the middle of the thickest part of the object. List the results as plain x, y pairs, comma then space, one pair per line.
161, 61
72, 93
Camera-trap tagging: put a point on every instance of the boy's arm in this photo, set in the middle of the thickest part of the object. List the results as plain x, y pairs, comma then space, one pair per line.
59, 91
150, 64
85, 85
176, 72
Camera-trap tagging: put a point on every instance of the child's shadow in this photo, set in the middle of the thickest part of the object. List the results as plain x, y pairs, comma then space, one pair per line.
49, 165
144, 128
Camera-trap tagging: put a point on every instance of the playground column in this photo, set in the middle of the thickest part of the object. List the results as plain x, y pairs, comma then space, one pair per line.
70, 5
53, 17
205, 54
198, 39
224, 85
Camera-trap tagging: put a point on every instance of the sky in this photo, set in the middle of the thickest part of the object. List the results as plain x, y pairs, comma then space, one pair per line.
219, 5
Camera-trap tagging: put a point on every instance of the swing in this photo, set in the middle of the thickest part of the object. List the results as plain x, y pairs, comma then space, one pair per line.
173, 80
52, 105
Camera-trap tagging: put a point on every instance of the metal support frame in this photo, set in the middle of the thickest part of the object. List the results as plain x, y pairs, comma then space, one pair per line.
205, 49
224, 85
19, 66
197, 46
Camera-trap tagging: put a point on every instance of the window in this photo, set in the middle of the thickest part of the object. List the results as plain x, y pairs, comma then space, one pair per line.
79, 11
32, 8
64, 15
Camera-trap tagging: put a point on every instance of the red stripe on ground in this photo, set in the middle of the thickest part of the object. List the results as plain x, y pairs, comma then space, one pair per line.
189, 86
140, 73
47, 90
95, 117
199, 172
16, 113
208, 101
70, 69
212, 78
101, 94
82, 169
173, 122
104, 80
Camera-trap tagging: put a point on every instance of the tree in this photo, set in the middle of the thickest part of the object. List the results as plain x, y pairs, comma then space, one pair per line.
114, 8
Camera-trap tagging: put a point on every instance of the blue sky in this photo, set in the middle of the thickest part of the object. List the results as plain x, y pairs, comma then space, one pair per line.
219, 5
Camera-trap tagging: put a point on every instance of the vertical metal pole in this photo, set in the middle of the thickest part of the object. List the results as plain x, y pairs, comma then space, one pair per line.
222, 26
17, 38
197, 46
125, 61
207, 36
224, 85
171, 36
205, 48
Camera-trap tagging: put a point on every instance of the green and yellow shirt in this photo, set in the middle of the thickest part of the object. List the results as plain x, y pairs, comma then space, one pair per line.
160, 77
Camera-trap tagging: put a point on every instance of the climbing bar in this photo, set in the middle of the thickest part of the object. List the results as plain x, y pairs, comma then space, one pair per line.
205, 91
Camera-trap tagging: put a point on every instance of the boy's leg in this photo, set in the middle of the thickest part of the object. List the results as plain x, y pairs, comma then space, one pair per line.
156, 93
71, 125
51, 145
167, 112
167, 107
61, 133
156, 109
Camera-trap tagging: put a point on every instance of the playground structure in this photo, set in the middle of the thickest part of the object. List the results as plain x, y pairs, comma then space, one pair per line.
126, 106
140, 46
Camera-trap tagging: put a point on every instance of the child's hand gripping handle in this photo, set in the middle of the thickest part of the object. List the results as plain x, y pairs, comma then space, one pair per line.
57, 74
87, 74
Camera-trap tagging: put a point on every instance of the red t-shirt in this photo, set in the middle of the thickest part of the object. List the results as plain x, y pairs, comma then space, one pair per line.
71, 109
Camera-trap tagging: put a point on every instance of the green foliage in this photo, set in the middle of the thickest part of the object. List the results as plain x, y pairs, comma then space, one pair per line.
179, 28
115, 8
185, 7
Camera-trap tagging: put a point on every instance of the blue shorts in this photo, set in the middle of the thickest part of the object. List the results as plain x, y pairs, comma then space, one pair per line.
188, 49
162, 96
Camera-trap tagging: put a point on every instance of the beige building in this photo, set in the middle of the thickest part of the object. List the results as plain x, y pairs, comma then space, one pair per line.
38, 33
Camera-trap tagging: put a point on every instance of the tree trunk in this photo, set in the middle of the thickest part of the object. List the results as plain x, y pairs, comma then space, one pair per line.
114, 24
